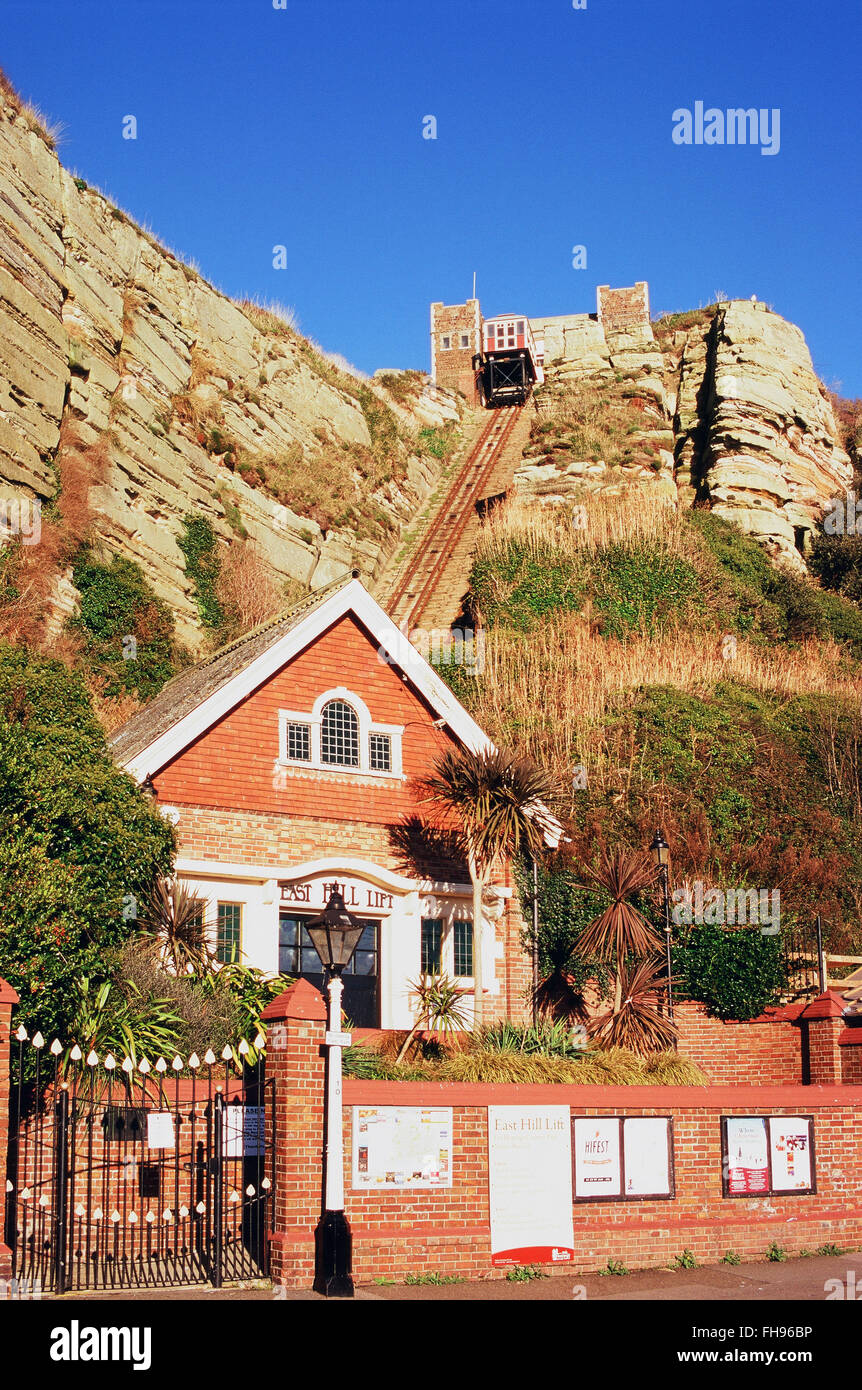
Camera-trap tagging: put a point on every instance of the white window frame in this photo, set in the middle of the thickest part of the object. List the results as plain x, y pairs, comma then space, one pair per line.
367, 726
446, 342
449, 911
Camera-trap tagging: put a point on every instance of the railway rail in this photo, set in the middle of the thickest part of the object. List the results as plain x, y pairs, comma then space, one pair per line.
416, 586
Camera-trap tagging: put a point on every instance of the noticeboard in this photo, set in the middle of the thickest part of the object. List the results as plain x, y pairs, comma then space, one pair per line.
398, 1147
622, 1157
530, 1184
767, 1155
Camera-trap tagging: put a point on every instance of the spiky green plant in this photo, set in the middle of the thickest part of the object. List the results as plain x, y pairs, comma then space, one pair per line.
621, 930
636, 1023
439, 1008
172, 920
497, 799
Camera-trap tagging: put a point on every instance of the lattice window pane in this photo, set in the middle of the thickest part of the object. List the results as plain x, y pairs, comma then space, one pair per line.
463, 948
299, 742
432, 939
228, 932
380, 753
339, 735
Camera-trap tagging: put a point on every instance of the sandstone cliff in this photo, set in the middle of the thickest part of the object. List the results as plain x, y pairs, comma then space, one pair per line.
177, 399
720, 406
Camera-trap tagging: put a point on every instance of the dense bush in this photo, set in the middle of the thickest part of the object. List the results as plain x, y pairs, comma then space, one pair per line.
81, 844
199, 545
736, 973
117, 604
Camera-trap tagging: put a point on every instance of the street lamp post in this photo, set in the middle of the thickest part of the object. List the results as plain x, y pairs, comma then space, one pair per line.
335, 935
661, 854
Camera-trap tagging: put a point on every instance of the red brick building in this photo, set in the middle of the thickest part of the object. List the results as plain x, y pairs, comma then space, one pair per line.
289, 763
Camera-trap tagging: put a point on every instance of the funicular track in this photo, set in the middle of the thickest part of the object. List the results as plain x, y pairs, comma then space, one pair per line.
424, 569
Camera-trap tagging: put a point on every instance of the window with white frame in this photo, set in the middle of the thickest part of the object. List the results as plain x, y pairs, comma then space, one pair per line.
339, 733
446, 342
446, 940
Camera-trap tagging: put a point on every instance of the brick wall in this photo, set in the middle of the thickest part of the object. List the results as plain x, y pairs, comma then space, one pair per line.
766, 1051
453, 367
447, 1229
8, 998
623, 308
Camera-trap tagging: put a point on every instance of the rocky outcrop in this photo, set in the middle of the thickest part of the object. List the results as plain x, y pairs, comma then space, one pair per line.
103, 328
729, 412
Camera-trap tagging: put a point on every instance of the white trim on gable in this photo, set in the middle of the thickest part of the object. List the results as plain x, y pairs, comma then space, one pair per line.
392, 649
353, 598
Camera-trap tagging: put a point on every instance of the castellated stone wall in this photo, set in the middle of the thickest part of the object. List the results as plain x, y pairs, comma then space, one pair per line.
456, 334
625, 308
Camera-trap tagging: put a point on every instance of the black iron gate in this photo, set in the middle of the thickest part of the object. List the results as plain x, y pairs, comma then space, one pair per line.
131, 1176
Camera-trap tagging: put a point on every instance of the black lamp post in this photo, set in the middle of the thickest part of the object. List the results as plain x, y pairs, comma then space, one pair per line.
335, 935
661, 854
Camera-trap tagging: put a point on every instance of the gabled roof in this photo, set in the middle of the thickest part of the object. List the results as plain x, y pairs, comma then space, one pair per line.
197, 698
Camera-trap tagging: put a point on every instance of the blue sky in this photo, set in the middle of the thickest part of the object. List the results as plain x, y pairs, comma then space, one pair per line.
302, 127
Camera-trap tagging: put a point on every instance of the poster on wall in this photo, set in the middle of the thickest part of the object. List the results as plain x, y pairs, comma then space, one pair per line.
530, 1184
746, 1156
402, 1146
243, 1132
597, 1157
790, 1153
647, 1156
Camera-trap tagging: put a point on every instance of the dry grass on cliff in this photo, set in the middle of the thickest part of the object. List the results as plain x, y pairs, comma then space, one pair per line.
279, 320
561, 689
50, 131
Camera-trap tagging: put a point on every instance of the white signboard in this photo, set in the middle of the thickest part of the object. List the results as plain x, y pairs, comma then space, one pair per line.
402, 1146
530, 1182
160, 1130
790, 1153
747, 1156
597, 1157
646, 1156
243, 1132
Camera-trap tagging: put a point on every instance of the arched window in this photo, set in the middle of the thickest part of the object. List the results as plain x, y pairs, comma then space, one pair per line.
339, 735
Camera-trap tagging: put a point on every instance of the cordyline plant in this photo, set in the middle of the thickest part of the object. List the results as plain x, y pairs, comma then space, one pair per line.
636, 1023
173, 920
497, 799
439, 1008
621, 930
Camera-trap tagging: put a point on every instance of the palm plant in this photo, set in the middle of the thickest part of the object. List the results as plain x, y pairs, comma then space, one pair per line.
110, 1018
497, 800
439, 1009
635, 1023
621, 930
173, 918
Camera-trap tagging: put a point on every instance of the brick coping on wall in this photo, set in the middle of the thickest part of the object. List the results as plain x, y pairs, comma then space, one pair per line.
359, 1092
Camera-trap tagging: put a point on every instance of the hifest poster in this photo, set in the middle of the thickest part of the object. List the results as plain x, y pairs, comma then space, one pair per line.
790, 1153
597, 1157
747, 1155
402, 1146
530, 1181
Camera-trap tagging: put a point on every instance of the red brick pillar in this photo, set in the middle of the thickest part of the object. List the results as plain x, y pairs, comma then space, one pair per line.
824, 1019
8, 998
296, 1023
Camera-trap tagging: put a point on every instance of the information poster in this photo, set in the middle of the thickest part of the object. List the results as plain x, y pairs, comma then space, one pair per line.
243, 1133
160, 1130
790, 1153
747, 1155
530, 1181
647, 1156
402, 1146
597, 1157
